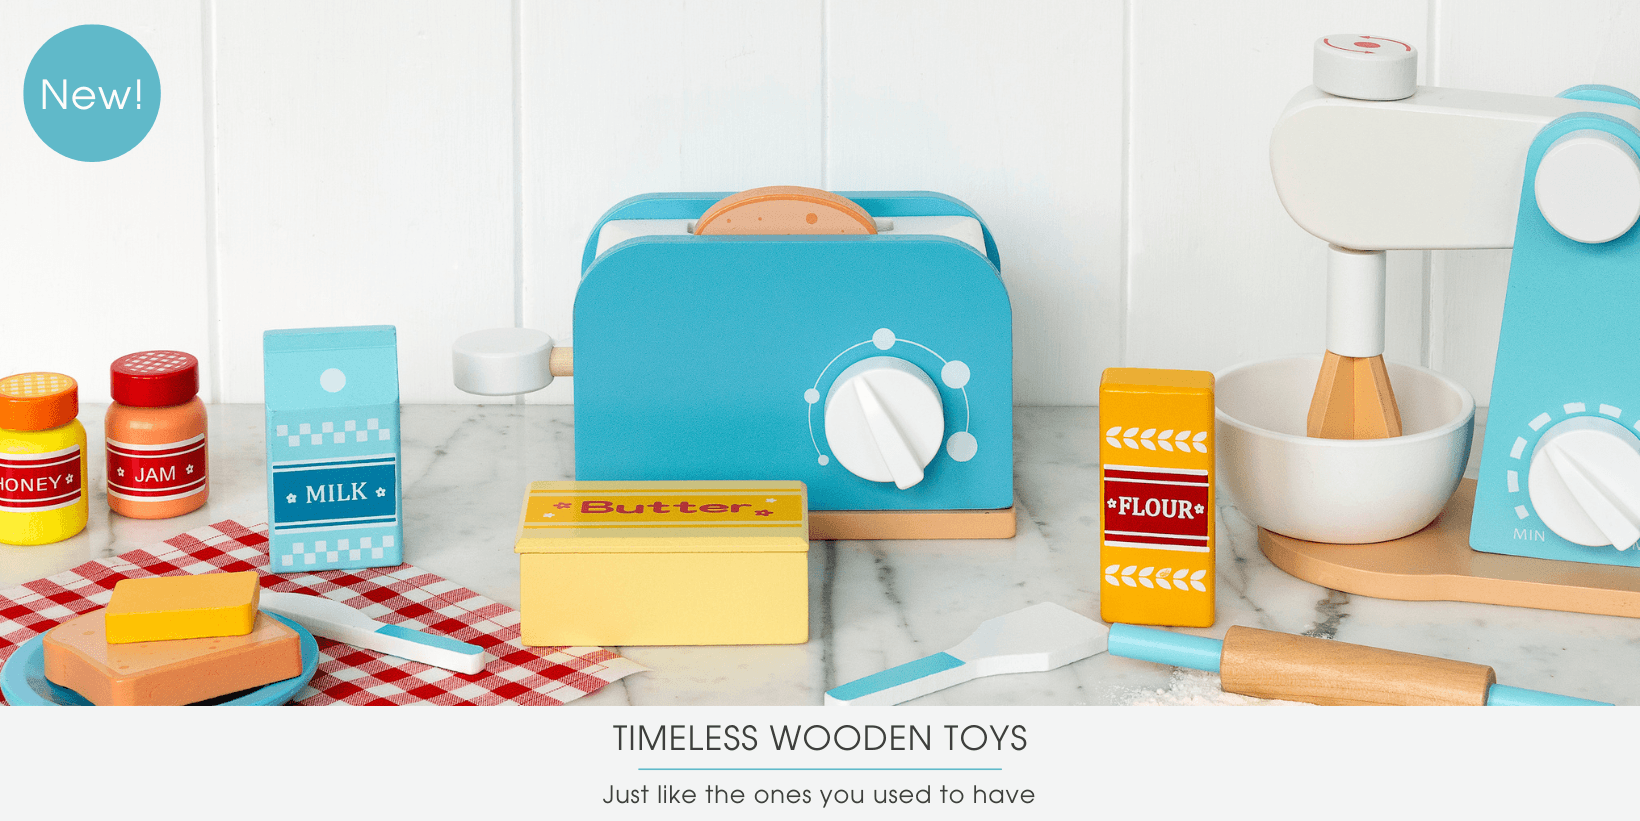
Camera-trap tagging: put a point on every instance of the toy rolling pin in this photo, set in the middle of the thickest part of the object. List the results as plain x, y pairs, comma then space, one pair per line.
1263, 664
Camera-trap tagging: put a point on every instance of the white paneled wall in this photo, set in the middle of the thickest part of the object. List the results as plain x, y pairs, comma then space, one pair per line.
437, 165
624, 98
1020, 116
1217, 273
102, 259
364, 175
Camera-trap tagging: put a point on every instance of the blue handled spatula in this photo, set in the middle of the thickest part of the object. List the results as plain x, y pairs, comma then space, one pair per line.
1039, 638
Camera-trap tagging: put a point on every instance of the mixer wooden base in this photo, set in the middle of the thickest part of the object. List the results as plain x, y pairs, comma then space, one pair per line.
826, 525
1437, 564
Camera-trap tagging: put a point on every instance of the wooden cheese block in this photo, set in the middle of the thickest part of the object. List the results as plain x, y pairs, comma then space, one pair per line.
161, 608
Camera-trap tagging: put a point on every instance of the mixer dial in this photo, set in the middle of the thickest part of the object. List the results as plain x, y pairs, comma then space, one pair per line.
1364, 67
1584, 482
885, 420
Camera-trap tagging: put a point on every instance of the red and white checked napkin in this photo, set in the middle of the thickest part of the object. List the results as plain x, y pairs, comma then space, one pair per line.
408, 595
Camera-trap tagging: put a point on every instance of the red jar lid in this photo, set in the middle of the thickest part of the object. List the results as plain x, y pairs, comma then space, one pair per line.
154, 379
38, 401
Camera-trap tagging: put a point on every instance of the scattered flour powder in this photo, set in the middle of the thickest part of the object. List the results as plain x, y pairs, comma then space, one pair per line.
1194, 688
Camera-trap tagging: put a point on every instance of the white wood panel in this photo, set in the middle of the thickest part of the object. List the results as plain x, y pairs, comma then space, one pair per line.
1466, 298
364, 176
101, 259
1518, 47
1018, 114
1218, 273
625, 98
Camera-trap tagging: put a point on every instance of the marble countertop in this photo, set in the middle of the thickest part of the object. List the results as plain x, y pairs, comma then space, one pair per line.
874, 605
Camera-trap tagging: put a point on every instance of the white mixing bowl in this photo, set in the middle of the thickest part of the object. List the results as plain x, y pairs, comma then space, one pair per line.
1338, 491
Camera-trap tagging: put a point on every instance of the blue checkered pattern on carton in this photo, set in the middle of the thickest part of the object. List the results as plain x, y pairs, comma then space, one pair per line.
332, 399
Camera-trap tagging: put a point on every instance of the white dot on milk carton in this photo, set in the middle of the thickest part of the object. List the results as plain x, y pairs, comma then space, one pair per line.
883, 339
333, 380
811, 396
962, 446
954, 374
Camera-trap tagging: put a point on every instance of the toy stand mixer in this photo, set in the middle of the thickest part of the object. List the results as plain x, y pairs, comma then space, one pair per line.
859, 343
1342, 497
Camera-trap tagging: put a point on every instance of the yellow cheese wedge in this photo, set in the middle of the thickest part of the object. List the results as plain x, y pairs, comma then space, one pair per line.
182, 607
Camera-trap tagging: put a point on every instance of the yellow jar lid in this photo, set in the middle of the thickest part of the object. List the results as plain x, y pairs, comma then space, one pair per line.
38, 401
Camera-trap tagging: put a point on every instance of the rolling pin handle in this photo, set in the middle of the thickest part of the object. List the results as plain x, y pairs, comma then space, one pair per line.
1164, 647
1502, 695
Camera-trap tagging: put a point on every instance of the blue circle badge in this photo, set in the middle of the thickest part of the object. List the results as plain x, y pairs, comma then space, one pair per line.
91, 93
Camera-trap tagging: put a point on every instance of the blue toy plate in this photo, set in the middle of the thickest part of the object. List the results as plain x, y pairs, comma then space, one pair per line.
23, 680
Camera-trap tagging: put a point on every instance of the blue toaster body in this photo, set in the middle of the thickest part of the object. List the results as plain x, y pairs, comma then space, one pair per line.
711, 357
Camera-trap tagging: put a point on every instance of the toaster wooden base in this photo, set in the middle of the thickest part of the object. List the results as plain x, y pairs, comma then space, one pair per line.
831, 525
1437, 564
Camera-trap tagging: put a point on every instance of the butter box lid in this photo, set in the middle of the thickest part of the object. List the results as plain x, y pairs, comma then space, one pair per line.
665, 517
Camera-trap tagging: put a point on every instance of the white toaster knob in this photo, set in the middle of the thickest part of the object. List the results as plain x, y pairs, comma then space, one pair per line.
502, 361
1585, 482
1361, 67
885, 420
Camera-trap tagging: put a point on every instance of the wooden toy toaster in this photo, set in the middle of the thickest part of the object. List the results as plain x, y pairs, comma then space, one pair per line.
858, 343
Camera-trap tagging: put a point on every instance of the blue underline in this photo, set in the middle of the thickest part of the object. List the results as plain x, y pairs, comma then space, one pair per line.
819, 769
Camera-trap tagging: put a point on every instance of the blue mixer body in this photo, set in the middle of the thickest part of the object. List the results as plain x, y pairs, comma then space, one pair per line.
1569, 346
710, 357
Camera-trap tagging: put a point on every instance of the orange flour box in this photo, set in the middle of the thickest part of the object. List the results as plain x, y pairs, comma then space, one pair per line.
1156, 492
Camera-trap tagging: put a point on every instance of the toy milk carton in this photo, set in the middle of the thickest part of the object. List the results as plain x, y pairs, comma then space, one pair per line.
1156, 492
706, 562
333, 448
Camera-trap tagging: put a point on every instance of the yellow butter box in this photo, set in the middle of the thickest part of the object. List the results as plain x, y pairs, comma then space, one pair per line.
641, 563
1156, 514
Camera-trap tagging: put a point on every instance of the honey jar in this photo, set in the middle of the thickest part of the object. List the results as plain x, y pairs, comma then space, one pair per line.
155, 430
42, 459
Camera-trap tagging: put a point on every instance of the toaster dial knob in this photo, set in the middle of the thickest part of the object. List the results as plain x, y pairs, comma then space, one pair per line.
1585, 482
885, 420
